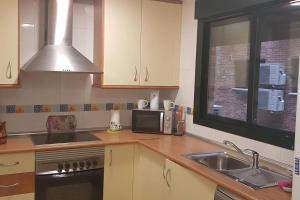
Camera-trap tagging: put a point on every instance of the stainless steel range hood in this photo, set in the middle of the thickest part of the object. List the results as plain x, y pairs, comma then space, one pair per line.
58, 54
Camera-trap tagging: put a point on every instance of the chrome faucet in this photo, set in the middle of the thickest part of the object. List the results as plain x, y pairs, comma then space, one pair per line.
255, 155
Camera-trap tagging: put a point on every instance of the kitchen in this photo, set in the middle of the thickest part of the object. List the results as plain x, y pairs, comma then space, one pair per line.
131, 165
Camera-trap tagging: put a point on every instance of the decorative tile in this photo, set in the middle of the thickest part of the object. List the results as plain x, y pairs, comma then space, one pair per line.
72, 108
109, 106
95, 107
123, 106
189, 111
116, 106
47, 108
2, 109
38, 108
28, 109
130, 106
11, 109
20, 109
79, 107
56, 108
87, 107
63, 108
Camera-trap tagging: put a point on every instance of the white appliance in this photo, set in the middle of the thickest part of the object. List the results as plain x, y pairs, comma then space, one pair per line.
272, 74
271, 100
296, 176
154, 100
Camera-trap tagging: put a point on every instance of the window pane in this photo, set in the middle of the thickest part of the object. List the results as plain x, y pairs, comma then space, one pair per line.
228, 69
278, 70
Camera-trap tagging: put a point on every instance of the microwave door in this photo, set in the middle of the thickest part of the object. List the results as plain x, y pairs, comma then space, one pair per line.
148, 121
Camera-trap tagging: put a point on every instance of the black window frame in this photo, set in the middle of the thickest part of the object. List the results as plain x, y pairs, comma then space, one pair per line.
248, 128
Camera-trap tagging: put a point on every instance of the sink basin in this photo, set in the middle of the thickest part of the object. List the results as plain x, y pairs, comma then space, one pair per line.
256, 178
219, 161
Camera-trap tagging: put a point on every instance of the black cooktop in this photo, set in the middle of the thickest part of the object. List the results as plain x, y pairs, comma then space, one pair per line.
54, 138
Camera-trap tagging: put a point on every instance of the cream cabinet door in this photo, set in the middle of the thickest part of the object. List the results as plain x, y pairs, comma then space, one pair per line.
118, 172
9, 42
149, 183
197, 187
122, 37
29, 196
160, 53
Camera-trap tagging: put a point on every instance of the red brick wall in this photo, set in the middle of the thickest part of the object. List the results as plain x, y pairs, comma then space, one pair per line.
222, 67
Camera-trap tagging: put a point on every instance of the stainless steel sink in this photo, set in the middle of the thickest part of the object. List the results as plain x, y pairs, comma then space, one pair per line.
218, 161
237, 169
256, 178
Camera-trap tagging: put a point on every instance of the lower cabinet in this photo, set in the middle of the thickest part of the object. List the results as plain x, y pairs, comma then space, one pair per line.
185, 184
29, 196
118, 172
134, 172
149, 183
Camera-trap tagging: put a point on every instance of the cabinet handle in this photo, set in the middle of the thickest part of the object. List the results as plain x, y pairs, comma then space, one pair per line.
9, 186
9, 165
8, 70
147, 75
110, 153
168, 174
135, 74
164, 174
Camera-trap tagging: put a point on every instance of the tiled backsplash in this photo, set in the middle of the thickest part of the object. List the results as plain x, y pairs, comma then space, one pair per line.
48, 108
39, 108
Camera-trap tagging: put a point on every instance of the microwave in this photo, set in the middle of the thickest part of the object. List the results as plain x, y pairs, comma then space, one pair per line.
153, 121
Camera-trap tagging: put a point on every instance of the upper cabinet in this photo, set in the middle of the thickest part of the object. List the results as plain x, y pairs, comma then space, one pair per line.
141, 43
122, 37
9, 43
160, 52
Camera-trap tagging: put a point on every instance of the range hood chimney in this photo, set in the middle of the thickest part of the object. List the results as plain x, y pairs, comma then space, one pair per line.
58, 54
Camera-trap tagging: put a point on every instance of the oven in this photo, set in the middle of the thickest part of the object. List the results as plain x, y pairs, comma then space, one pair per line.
73, 174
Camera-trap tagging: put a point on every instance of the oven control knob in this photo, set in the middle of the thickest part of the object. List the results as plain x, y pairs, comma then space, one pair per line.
81, 165
88, 164
95, 163
60, 167
168, 118
75, 165
67, 167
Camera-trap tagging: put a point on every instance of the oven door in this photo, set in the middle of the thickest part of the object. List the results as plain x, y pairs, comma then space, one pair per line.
147, 121
85, 185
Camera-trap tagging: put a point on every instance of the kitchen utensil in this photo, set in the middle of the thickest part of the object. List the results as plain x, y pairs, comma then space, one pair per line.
3, 133
114, 124
142, 104
154, 100
180, 128
168, 105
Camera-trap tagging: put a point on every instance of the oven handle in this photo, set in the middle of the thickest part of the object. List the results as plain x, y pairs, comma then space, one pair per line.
161, 122
92, 172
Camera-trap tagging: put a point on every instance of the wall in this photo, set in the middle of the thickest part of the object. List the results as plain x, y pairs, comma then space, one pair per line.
185, 95
55, 90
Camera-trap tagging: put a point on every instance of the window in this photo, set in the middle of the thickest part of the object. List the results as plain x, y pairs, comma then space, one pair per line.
229, 51
247, 73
